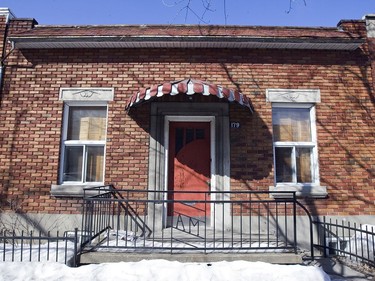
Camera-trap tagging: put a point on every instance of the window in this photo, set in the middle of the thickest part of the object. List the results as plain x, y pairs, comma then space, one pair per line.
83, 144
295, 147
294, 142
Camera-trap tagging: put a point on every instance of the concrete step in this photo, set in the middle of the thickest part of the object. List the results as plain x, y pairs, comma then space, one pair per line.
105, 257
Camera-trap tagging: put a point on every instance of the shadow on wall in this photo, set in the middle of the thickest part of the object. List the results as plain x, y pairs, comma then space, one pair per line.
251, 143
350, 132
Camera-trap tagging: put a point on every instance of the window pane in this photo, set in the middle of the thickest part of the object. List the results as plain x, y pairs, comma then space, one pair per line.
95, 162
284, 171
179, 139
291, 124
303, 160
199, 134
87, 123
73, 163
189, 135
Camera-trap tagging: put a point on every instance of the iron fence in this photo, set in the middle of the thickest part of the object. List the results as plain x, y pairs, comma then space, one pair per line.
176, 222
350, 240
26, 246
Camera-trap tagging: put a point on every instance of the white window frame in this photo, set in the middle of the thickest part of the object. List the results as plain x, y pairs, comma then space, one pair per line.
298, 98
85, 143
311, 144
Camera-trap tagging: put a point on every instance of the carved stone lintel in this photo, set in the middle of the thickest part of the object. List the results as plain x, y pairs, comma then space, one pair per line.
86, 94
293, 95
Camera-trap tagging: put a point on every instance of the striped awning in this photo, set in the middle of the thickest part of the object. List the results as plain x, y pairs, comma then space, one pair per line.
188, 87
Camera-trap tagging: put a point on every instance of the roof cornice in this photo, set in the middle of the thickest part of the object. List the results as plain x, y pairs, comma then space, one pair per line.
322, 43
188, 36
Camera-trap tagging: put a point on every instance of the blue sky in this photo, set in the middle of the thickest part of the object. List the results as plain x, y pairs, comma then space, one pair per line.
238, 12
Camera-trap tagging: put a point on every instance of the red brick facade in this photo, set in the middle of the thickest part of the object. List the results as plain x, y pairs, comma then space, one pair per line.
31, 116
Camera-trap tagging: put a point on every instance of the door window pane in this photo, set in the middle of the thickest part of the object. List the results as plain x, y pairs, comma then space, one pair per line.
284, 171
179, 139
189, 135
199, 134
73, 163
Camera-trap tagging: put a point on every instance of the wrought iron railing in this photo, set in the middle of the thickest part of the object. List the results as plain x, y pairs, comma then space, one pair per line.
165, 221
27, 246
350, 240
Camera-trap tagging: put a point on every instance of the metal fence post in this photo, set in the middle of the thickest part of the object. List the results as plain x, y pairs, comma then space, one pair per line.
75, 257
295, 222
324, 237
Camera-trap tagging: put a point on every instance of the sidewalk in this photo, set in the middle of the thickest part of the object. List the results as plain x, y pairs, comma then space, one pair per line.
339, 270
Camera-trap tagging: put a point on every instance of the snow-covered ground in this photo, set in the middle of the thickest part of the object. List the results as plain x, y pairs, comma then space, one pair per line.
363, 242
52, 256
60, 252
123, 241
161, 270
146, 270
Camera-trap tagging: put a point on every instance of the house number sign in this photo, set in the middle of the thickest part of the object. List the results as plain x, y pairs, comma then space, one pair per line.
235, 125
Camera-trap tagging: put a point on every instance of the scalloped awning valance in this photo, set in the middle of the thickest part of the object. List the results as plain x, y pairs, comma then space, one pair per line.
188, 87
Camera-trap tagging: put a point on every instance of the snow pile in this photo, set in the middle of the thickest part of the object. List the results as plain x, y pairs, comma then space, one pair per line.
162, 270
120, 235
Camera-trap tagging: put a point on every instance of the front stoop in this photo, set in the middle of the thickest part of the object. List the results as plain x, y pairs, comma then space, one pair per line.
106, 257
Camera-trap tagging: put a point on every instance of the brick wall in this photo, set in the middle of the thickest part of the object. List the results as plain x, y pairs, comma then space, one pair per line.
20, 25
2, 33
31, 116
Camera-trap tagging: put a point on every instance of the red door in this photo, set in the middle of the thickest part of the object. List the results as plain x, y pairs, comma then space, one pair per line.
189, 171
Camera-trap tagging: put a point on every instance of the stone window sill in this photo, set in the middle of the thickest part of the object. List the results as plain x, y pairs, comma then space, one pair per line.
71, 190
311, 191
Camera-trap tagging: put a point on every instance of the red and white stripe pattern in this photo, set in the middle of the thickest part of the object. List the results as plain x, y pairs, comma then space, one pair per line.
188, 87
